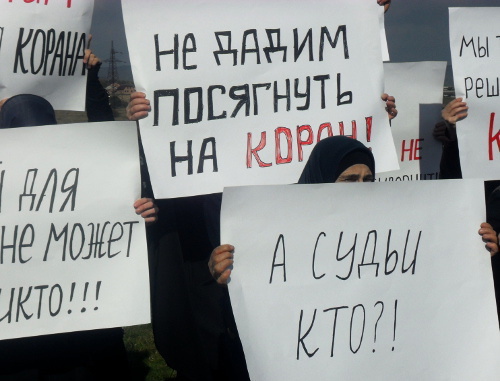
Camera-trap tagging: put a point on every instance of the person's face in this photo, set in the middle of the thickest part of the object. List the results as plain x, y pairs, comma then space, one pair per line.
357, 173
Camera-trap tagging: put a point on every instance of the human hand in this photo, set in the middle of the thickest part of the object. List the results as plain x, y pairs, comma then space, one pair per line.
385, 3
89, 58
138, 107
490, 237
2, 102
390, 105
147, 209
455, 110
221, 262
442, 133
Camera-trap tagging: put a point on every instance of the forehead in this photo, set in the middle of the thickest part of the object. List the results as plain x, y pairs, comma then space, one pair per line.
357, 169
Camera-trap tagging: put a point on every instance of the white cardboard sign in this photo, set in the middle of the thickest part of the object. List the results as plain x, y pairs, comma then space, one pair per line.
418, 89
42, 47
72, 250
351, 282
241, 91
383, 37
475, 53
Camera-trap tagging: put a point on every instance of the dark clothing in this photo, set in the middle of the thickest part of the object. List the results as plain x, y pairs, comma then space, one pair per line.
86, 355
331, 156
194, 325
97, 99
25, 110
493, 209
174, 327
192, 318
493, 218
449, 167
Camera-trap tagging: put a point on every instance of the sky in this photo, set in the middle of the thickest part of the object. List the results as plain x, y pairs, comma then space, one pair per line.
107, 26
417, 30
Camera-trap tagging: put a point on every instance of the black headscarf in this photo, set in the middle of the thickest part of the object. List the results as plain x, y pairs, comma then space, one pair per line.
26, 110
332, 156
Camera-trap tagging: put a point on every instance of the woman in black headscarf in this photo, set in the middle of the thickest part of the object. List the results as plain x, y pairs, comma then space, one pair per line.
336, 159
26, 110
332, 156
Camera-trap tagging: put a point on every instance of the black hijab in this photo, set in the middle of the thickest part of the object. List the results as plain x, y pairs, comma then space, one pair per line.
26, 110
332, 156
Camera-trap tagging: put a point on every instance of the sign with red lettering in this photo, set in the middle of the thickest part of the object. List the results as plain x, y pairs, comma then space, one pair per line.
418, 89
475, 53
241, 91
42, 46
72, 250
373, 281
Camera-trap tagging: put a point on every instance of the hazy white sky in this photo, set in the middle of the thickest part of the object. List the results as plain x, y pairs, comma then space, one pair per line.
417, 30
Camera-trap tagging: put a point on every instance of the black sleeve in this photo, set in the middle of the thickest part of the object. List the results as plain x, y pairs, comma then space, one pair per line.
493, 218
146, 187
493, 209
211, 207
449, 166
97, 100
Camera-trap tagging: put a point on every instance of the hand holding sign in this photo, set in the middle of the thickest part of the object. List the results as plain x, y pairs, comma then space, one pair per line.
390, 105
490, 237
337, 294
147, 209
455, 110
385, 3
221, 263
138, 107
89, 58
57, 246
475, 54
235, 104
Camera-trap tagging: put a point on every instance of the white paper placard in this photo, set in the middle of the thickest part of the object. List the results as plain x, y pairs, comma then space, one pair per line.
418, 89
356, 282
251, 112
72, 250
475, 54
383, 37
42, 48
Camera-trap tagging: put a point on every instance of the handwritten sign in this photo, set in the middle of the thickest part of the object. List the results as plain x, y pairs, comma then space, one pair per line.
42, 46
475, 53
418, 89
72, 250
240, 94
350, 282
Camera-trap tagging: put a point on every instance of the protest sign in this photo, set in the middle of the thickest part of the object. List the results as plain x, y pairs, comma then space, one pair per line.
240, 94
42, 47
383, 37
418, 89
351, 282
72, 250
475, 53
